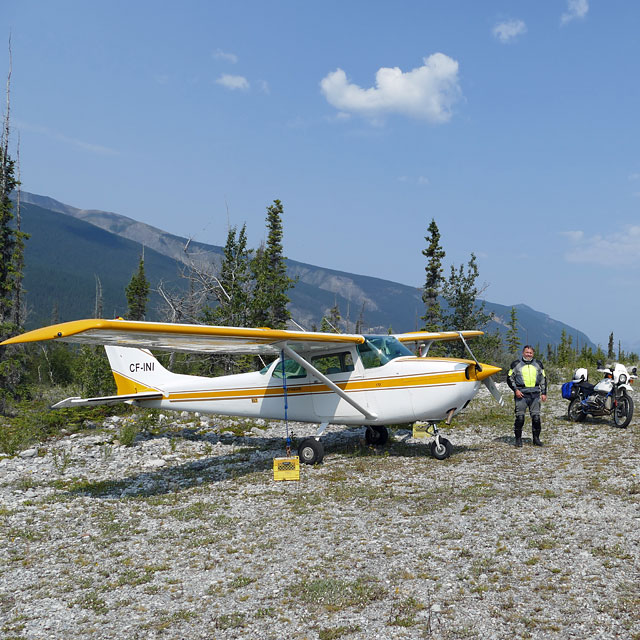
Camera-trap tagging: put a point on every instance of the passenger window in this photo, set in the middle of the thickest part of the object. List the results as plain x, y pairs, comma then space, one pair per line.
334, 363
292, 370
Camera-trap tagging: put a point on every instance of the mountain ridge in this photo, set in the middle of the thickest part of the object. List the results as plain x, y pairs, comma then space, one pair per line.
384, 304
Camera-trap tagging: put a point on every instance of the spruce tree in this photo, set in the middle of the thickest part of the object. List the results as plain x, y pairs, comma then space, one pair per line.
433, 282
11, 264
138, 293
8, 242
232, 290
513, 341
466, 311
461, 292
271, 283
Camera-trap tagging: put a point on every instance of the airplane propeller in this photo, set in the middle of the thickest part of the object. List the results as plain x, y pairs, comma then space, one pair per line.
493, 390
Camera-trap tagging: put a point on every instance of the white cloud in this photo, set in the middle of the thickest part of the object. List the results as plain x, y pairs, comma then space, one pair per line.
233, 82
574, 236
75, 142
575, 9
218, 54
420, 180
509, 30
619, 249
427, 92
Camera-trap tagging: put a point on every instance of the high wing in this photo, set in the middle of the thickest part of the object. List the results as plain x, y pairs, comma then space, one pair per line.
430, 336
186, 337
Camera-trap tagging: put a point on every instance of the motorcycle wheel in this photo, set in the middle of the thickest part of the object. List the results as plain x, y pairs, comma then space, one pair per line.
575, 413
623, 412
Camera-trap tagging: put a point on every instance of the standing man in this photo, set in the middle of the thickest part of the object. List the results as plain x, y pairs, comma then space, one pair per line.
528, 381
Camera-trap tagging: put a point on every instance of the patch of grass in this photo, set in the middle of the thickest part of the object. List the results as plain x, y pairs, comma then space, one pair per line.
337, 632
194, 511
542, 543
334, 594
404, 612
34, 422
128, 432
99, 488
240, 581
231, 621
94, 602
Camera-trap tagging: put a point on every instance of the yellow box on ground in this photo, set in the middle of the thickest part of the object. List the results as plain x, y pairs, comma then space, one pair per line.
286, 468
422, 430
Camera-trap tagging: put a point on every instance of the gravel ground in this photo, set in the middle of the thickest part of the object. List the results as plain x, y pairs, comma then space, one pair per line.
186, 534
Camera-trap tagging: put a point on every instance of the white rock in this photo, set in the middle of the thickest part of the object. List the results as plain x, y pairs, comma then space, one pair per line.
28, 453
156, 462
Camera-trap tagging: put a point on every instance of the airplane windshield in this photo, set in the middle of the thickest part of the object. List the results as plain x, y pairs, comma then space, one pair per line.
378, 350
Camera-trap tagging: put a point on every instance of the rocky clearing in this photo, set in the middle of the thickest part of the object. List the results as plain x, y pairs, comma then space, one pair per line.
186, 534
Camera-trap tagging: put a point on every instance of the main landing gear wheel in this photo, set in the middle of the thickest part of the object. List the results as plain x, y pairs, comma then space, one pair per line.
623, 413
441, 450
575, 413
377, 435
311, 451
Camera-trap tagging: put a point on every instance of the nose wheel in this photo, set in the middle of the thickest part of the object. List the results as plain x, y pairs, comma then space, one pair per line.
441, 448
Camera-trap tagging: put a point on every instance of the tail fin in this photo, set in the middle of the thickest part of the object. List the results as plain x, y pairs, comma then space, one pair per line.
136, 370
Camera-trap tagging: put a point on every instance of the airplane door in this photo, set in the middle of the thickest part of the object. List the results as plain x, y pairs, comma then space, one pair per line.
339, 368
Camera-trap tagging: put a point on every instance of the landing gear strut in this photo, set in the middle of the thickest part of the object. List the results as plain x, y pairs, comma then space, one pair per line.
440, 447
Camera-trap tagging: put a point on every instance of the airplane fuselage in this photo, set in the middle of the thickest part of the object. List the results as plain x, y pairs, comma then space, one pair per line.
403, 390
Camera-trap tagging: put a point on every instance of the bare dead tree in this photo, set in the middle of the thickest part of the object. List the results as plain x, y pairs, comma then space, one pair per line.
4, 139
98, 305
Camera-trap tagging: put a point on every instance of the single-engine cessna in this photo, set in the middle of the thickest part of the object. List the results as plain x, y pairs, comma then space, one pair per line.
324, 378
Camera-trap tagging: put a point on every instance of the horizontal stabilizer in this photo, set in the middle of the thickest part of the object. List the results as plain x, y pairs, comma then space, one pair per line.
87, 402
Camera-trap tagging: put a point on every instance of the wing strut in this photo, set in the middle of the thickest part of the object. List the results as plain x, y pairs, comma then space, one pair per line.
334, 387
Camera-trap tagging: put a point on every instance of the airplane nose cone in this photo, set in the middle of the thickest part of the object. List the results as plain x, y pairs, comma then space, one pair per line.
487, 370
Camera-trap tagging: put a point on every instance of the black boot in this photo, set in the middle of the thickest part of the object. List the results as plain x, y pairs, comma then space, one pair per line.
536, 427
517, 430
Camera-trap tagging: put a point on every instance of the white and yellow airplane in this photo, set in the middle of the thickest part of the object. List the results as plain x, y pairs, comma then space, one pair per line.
324, 378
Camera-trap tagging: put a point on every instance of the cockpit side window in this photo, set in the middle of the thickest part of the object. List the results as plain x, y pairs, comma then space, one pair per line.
376, 351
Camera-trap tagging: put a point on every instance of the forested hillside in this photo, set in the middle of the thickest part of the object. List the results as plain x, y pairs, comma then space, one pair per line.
66, 253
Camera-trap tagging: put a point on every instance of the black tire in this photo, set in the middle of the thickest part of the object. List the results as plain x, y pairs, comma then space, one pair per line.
311, 451
443, 451
376, 435
575, 413
623, 412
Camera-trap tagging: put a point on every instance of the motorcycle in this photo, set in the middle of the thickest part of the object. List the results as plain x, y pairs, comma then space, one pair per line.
610, 397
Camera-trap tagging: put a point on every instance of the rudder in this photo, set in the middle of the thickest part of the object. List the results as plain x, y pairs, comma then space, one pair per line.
136, 370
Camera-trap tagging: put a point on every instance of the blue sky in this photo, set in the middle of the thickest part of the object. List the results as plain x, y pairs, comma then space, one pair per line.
513, 123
